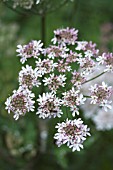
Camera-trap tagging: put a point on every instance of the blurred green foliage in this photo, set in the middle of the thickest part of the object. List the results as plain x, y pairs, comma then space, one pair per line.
20, 141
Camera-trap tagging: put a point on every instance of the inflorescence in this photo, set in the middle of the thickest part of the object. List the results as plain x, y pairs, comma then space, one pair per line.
62, 71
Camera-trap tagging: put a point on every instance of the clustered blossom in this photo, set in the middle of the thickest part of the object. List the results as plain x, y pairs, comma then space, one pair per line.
67, 70
45, 66
107, 60
73, 133
77, 79
65, 36
56, 51
49, 106
29, 77
27, 4
54, 82
73, 99
33, 49
100, 95
20, 102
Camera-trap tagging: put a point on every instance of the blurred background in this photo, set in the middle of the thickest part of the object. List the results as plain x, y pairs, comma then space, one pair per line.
28, 144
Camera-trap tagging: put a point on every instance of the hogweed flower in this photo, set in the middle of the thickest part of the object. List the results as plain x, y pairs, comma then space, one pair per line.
71, 132
45, 66
20, 102
100, 94
26, 4
107, 60
73, 99
77, 79
49, 106
65, 71
65, 36
32, 49
56, 51
29, 77
54, 82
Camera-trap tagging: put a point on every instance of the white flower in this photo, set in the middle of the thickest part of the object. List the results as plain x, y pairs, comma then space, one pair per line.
32, 49
49, 106
73, 99
100, 94
20, 102
45, 66
29, 77
54, 82
71, 132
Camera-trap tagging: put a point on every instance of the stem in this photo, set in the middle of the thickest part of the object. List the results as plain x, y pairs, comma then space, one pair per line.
94, 78
87, 96
43, 28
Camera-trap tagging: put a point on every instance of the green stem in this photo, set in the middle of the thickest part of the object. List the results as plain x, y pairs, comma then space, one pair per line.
87, 96
94, 77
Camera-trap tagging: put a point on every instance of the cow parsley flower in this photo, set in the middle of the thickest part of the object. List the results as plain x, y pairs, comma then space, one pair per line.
77, 79
71, 132
56, 51
63, 66
54, 82
32, 49
73, 99
100, 95
89, 48
65, 36
20, 102
45, 66
107, 60
49, 106
87, 65
29, 77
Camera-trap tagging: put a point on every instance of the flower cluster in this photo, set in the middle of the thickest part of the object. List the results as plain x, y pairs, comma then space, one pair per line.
20, 102
27, 4
65, 74
72, 132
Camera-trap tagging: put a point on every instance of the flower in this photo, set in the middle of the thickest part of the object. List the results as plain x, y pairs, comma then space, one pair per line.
26, 4
49, 106
72, 132
89, 48
107, 60
32, 49
87, 65
56, 51
45, 66
29, 77
73, 99
54, 82
20, 102
63, 66
77, 79
100, 95
65, 36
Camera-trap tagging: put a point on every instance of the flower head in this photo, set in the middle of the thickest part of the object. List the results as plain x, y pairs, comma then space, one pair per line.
32, 49
65, 36
29, 77
71, 132
100, 95
49, 106
20, 102
73, 99
54, 82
